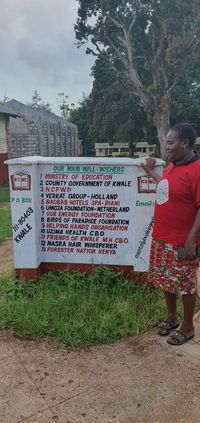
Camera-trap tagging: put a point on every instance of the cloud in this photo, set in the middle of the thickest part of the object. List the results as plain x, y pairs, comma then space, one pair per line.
38, 50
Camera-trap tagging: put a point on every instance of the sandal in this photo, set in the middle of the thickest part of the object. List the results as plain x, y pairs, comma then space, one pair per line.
178, 338
166, 327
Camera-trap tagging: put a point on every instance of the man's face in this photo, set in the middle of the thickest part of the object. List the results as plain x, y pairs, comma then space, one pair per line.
175, 148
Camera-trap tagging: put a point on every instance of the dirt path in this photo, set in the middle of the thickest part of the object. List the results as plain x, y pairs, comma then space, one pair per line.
138, 380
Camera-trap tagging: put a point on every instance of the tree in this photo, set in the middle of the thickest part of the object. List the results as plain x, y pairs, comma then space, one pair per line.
156, 42
5, 99
38, 103
82, 117
185, 103
64, 106
118, 115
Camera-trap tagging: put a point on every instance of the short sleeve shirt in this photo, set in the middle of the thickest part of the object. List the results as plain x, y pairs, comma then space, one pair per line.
177, 203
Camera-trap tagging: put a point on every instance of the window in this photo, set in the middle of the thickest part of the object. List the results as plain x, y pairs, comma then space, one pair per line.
110, 150
144, 150
115, 150
100, 150
124, 150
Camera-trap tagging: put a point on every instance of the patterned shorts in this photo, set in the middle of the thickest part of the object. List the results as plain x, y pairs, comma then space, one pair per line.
168, 272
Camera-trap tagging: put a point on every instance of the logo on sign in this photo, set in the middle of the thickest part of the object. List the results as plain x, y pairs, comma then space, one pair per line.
21, 181
146, 185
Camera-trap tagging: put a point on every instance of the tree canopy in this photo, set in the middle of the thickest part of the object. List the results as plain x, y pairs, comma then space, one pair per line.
117, 114
151, 45
82, 116
37, 102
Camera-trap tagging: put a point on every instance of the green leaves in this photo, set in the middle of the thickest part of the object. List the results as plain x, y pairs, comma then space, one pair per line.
78, 308
155, 44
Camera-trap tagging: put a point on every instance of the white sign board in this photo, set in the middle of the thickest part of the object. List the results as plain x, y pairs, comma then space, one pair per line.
78, 210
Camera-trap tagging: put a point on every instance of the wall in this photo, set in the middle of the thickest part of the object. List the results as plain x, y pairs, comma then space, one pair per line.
40, 132
37, 138
3, 150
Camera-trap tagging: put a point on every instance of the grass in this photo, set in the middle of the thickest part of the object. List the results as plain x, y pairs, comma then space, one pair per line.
79, 309
4, 195
74, 307
5, 215
5, 224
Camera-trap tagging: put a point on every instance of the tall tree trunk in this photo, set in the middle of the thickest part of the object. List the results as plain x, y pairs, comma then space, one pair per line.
162, 123
132, 146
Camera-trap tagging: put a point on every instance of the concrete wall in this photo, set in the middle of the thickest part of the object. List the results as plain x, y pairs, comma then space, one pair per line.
39, 132
3, 149
3, 143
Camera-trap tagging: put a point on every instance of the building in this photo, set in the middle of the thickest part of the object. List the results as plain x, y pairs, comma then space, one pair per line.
38, 132
5, 115
117, 149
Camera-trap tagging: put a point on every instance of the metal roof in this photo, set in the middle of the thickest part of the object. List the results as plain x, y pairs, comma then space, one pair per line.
7, 112
35, 114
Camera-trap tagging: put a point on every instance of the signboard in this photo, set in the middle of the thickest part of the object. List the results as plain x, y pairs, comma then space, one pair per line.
81, 211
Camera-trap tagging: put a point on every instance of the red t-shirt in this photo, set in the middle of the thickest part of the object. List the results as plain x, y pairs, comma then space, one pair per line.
177, 202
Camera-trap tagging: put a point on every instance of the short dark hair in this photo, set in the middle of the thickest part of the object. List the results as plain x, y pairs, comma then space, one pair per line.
185, 131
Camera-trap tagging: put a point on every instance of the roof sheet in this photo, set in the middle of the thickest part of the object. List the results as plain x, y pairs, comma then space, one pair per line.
7, 112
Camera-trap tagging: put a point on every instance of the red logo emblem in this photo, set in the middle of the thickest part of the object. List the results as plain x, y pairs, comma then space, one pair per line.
146, 185
21, 182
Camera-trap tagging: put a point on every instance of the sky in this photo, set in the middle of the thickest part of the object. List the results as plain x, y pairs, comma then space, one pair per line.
37, 51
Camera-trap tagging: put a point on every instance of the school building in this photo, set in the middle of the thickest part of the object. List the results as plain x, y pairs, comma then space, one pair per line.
106, 150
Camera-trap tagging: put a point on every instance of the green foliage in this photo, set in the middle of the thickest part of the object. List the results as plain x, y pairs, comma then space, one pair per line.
5, 225
78, 308
118, 116
64, 106
4, 99
111, 113
38, 103
152, 45
185, 102
82, 116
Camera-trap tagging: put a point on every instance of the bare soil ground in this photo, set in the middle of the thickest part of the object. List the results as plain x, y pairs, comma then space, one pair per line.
138, 380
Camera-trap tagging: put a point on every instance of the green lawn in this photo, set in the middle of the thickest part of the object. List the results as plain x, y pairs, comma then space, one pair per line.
5, 224
74, 307
79, 309
4, 195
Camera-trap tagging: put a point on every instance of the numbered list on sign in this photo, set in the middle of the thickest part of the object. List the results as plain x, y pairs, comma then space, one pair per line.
86, 214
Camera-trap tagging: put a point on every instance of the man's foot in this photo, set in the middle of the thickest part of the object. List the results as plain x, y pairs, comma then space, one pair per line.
166, 327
